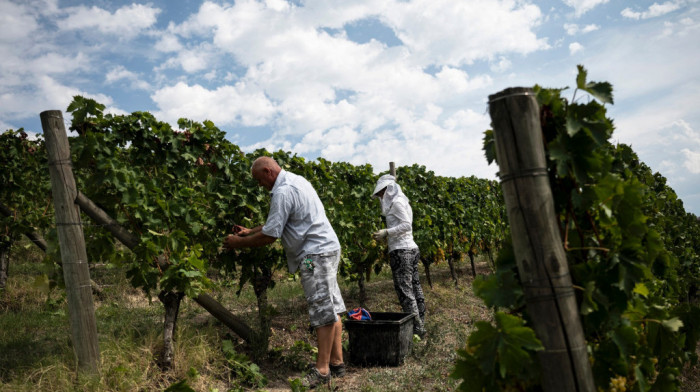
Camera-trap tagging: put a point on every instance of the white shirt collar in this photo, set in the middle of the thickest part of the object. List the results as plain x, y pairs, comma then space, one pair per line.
279, 180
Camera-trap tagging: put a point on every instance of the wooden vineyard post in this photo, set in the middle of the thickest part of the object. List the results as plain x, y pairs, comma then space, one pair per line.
540, 255
392, 169
236, 324
71, 242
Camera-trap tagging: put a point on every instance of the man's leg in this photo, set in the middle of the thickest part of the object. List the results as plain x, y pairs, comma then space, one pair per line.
325, 303
337, 349
325, 335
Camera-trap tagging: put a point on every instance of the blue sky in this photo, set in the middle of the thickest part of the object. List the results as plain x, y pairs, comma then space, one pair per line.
361, 81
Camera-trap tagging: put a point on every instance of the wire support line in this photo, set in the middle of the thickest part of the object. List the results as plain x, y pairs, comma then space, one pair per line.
61, 162
532, 281
550, 297
81, 287
563, 350
533, 286
87, 224
524, 93
535, 172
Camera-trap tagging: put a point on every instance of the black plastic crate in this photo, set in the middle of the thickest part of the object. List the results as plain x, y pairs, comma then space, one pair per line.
385, 340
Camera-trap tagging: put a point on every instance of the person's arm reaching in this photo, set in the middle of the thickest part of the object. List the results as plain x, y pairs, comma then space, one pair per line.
254, 240
243, 231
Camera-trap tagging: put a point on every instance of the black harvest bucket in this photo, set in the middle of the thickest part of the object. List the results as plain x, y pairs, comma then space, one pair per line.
385, 340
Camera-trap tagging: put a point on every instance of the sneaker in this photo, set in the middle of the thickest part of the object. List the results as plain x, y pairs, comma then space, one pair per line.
337, 370
314, 378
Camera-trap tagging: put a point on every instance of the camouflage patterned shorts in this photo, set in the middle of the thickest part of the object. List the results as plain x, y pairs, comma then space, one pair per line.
319, 278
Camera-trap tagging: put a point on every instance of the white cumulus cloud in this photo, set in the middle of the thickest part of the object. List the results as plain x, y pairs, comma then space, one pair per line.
437, 31
575, 47
692, 160
574, 29
226, 105
16, 21
653, 11
582, 6
121, 73
125, 22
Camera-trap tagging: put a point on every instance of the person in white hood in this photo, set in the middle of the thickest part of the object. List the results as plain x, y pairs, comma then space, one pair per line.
403, 251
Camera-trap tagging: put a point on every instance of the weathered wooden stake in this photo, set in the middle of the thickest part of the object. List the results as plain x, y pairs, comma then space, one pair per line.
236, 324
392, 169
541, 259
76, 273
4, 263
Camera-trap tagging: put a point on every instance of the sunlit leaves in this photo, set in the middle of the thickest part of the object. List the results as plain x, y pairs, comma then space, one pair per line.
628, 252
495, 353
599, 90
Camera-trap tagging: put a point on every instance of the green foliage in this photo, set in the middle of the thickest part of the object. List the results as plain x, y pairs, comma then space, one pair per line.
453, 215
25, 188
498, 356
296, 385
502, 289
630, 246
243, 369
299, 355
181, 190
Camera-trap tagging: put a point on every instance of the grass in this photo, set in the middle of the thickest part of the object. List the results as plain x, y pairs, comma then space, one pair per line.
36, 352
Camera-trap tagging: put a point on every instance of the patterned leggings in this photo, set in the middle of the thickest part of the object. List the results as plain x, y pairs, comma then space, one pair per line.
404, 269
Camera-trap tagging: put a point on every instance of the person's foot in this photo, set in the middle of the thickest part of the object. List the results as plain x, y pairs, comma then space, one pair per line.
337, 370
314, 378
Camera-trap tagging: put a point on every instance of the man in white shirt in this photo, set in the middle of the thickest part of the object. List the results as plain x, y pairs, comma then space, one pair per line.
298, 218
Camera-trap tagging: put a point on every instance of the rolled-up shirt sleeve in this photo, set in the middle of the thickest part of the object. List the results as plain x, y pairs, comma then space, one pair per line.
277, 217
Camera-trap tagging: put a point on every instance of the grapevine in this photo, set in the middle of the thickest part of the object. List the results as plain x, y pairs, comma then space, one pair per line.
626, 254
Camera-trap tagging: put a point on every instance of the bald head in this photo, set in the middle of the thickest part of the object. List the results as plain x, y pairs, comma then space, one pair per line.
265, 162
265, 170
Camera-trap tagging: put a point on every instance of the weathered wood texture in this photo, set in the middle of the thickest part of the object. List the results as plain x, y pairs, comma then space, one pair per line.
101, 217
4, 263
538, 247
171, 302
236, 324
76, 273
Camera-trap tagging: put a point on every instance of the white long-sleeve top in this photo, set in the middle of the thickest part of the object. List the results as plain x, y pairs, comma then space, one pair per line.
399, 223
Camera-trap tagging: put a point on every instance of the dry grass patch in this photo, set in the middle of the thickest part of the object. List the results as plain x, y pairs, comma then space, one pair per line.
36, 354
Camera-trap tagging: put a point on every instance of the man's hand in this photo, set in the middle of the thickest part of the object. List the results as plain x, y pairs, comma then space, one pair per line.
232, 241
240, 230
380, 235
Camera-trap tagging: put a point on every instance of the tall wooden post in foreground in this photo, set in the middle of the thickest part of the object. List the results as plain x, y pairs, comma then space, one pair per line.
540, 255
76, 274
392, 169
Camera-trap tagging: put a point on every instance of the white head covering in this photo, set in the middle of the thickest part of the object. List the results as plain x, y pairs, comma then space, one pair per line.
392, 193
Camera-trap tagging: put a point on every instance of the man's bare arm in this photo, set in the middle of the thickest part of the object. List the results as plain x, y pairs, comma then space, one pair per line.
254, 240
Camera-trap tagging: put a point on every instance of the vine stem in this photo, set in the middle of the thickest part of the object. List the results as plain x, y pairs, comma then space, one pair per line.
589, 248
